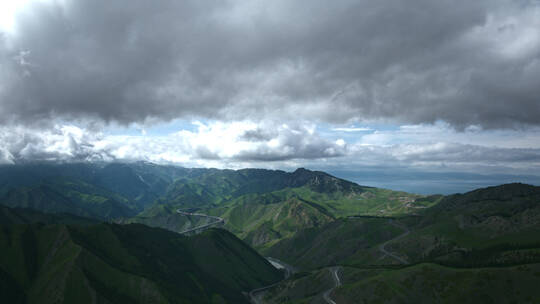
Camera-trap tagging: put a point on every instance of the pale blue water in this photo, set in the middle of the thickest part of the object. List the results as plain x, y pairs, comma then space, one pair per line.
430, 182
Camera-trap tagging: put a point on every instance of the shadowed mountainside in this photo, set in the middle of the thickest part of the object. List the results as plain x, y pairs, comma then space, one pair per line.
51, 263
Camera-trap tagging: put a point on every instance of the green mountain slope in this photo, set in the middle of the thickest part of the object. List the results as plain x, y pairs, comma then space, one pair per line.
17, 216
478, 227
429, 283
69, 196
479, 247
303, 287
344, 241
118, 192
140, 183
262, 224
216, 186
262, 219
421, 283
102, 191
457, 248
491, 226
107, 263
263, 207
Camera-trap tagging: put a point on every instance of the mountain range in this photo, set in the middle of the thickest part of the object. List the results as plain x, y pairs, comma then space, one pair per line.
113, 232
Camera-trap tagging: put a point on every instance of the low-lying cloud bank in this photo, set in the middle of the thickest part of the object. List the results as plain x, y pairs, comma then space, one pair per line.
230, 142
248, 144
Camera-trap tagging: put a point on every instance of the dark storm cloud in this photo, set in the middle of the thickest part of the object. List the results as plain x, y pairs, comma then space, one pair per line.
464, 62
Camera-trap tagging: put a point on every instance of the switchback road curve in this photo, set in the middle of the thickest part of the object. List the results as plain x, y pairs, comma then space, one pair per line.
217, 220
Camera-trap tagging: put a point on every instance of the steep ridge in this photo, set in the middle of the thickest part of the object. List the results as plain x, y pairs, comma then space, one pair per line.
127, 264
217, 186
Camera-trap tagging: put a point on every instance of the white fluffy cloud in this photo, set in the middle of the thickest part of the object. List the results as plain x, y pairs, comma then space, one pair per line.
60, 143
270, 144
235, 142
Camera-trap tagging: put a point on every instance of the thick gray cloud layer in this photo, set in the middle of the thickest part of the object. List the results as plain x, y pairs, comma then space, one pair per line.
464, 62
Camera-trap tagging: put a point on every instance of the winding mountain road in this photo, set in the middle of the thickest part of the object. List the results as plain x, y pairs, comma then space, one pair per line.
256, 294
217, 220
334, 271
337, 281
382, 247
289, 270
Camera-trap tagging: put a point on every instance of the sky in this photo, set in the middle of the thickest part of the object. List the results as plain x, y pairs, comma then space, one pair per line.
420, 95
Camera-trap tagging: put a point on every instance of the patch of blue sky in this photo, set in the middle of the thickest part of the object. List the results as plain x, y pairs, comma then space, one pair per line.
352, 133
